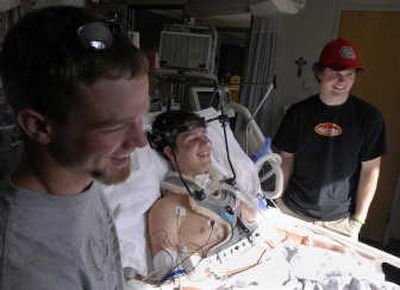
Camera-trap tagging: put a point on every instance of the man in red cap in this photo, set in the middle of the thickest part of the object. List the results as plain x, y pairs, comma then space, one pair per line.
331, 144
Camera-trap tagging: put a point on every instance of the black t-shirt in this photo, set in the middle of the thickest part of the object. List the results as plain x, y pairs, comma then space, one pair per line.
329, 143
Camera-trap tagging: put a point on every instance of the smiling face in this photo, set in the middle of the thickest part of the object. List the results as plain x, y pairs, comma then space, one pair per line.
335, 86
193, 152
103, 130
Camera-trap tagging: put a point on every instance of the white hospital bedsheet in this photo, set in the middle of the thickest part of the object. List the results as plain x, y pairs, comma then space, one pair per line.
302, 268
130, 201
286, 266
315, 268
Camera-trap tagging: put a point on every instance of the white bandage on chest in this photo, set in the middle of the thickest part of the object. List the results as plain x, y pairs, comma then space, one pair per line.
164, 262
166, 259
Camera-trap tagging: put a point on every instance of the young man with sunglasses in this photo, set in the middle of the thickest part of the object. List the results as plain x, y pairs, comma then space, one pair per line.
331, 145
79, 90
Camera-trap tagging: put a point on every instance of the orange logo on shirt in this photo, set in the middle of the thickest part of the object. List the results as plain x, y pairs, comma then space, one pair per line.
328, 129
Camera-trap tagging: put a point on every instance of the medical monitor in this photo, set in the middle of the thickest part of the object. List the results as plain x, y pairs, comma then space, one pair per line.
205, 97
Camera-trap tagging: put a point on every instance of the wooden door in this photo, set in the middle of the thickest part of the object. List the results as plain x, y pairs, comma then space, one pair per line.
377, 36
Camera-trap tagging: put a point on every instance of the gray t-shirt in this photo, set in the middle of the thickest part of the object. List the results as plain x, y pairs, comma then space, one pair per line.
52, 242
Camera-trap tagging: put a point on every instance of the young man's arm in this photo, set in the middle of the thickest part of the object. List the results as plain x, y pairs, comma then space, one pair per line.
287, 167
367, 184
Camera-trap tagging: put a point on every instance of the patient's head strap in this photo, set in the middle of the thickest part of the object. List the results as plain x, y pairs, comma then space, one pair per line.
168, 125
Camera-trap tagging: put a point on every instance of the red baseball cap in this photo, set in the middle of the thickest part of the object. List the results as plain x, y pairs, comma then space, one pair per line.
340, 54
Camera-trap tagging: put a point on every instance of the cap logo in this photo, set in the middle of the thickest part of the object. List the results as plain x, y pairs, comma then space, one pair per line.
347, 52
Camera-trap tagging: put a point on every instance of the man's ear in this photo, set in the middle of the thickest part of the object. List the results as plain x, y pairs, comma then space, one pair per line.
168, 152
35, 125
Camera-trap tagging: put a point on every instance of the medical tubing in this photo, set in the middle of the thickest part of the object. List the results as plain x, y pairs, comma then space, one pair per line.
249, 200
173, 274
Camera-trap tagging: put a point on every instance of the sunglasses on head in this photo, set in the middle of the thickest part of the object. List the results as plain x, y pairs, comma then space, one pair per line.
98, 35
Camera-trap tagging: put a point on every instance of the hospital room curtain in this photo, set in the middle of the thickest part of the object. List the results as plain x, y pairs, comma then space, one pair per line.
260, 67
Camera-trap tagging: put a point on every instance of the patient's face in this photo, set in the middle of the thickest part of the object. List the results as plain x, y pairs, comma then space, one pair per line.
193, 152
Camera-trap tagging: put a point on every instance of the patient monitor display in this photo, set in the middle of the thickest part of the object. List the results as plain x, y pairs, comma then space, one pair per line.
205, 97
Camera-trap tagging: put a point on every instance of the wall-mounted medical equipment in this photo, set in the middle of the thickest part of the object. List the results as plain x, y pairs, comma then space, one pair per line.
188, 47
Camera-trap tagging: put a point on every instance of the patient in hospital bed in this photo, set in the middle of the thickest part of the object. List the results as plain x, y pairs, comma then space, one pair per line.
148, 170
182, 232
200, 213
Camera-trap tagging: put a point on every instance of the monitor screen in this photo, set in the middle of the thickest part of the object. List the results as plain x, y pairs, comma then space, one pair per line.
205, 97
